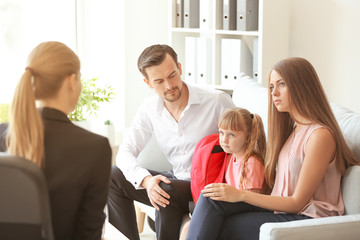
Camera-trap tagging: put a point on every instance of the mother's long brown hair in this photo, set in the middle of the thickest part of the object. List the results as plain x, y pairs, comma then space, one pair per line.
48, 65
307, 96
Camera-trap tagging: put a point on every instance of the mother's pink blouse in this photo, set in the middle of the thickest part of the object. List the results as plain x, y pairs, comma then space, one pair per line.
327, 199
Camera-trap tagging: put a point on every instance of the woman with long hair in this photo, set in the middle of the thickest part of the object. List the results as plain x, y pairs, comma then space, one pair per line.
305, 159
76, 163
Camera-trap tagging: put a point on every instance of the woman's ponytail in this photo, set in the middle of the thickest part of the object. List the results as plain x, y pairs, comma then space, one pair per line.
26, 132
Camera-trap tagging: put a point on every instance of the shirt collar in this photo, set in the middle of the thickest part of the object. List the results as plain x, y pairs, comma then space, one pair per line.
194, 97
53, 114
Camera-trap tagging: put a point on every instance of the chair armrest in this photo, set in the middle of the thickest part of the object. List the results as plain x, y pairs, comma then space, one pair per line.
329, 228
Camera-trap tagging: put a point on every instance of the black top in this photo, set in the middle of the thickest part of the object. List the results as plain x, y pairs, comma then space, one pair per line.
77, 168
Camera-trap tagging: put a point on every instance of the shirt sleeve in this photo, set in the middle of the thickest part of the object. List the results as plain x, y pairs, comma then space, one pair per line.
225, 102
254, 174
135, 140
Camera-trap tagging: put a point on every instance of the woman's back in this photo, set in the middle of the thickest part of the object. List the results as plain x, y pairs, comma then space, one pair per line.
77, 167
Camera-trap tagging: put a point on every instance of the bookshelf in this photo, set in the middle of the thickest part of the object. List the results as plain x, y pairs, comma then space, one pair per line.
272, 37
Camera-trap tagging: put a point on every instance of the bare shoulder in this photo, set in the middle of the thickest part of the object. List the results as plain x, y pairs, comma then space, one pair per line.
322, 135
322, 144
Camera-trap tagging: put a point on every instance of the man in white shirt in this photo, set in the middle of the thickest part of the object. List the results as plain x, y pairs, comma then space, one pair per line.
179, 115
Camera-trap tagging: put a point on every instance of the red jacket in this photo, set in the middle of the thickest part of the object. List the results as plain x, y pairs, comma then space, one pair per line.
207, 164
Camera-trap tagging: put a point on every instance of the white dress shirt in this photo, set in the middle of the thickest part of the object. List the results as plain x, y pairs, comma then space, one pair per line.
176, 140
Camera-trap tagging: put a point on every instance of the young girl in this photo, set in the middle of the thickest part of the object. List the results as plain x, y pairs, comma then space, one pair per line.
76, 163
306, 157
242, 136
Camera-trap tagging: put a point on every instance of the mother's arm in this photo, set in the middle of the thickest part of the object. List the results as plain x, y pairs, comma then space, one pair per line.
319, 152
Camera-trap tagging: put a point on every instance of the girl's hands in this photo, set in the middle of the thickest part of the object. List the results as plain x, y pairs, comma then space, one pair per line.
222, 192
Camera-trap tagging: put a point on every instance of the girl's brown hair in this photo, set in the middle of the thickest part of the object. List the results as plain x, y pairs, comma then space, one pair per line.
240, 119
48, 65
308, 98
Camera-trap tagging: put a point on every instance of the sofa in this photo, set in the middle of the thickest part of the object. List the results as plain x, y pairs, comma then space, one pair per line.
254, 97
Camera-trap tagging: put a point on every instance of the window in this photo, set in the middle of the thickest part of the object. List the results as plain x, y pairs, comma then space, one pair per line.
23, 25
92, 28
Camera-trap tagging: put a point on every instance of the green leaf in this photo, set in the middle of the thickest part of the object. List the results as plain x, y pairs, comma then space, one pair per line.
90, 97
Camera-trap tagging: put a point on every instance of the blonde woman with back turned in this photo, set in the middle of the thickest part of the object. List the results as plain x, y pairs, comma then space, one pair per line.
76, 163
305, 159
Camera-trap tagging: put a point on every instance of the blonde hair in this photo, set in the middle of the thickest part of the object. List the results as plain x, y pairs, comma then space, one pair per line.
309, 99
240, 119
48, 65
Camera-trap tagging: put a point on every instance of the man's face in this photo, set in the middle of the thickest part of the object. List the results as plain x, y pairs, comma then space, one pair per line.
165, 79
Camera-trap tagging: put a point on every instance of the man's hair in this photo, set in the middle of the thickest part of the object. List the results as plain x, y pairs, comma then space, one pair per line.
154, 56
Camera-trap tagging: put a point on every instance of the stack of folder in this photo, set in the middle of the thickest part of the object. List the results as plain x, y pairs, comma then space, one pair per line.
240, 15
198, 60
236, 60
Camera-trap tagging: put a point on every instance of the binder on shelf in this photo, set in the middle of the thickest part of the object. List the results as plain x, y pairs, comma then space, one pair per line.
229, 14
205, 13
179, 13
230, 60
255, 58
191, 13
247, 15
190, 59
246, 60
203, 60
236, 60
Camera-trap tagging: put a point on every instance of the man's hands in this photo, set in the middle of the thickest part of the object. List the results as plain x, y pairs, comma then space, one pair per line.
158, 197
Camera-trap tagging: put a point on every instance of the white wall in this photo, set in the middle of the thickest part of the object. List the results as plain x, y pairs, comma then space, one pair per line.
327, 33
146, 23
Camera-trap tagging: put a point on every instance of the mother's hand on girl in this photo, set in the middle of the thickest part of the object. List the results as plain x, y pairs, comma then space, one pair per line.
222, 192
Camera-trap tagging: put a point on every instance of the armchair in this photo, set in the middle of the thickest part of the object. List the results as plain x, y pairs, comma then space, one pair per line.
24, 200
330, 228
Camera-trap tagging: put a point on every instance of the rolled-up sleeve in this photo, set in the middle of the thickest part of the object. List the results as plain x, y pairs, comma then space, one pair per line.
135, 140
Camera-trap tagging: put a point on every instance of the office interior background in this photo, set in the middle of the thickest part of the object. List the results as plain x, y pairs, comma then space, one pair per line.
109, 35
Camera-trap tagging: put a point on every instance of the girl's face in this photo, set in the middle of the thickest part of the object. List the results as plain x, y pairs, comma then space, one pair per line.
279, 92
232, 141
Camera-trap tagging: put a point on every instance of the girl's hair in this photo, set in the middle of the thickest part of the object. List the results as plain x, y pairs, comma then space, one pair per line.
308, 98
48, 65
240, 119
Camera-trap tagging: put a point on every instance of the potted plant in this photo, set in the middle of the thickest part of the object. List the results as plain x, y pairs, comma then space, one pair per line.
109, 131
4, 112
90, 98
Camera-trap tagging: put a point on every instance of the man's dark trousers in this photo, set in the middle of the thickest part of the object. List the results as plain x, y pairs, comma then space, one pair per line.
168, 220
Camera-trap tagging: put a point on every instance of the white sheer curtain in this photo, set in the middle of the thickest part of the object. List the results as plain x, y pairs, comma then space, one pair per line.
23, 25
92, 28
